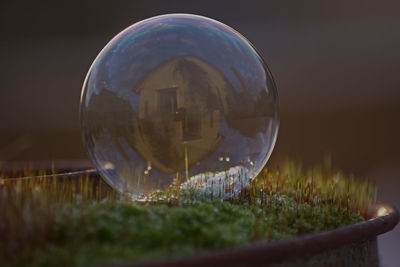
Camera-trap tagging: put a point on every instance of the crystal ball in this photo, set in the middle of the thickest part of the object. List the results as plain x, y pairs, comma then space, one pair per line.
179, 100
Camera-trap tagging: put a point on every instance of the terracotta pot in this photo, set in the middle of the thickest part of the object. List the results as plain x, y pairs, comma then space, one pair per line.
353, 245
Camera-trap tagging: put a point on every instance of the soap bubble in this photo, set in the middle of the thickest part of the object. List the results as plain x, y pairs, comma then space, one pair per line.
179, 100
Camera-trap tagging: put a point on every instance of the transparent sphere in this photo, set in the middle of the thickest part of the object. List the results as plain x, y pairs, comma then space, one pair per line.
179, 100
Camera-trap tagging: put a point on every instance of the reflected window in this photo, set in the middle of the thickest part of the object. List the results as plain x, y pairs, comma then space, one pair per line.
191, 127
167, 100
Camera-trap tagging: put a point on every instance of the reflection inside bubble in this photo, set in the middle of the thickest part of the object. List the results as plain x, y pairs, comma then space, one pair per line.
175, 97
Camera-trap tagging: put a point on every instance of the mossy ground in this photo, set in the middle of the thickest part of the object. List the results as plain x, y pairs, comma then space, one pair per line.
47, 223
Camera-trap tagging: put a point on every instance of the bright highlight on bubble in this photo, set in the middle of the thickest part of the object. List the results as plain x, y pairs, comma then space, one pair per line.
178, 99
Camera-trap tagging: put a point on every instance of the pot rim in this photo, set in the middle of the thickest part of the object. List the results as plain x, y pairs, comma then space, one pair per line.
382, 218
294, 247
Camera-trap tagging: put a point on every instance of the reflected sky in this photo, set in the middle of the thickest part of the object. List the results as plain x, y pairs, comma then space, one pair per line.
140, 48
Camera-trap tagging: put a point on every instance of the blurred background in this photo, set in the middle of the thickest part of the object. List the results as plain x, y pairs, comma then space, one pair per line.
336, 65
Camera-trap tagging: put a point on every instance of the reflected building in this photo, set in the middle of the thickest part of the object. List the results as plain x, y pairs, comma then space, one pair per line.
182, 103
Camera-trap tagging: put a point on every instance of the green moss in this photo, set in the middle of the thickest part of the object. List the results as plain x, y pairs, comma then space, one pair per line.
116, 231
81, 223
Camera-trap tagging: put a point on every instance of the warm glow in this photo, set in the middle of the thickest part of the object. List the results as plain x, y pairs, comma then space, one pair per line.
382, 212
227, 159
108, 165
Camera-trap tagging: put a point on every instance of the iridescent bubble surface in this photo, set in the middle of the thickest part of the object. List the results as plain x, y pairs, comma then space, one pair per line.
175, 98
